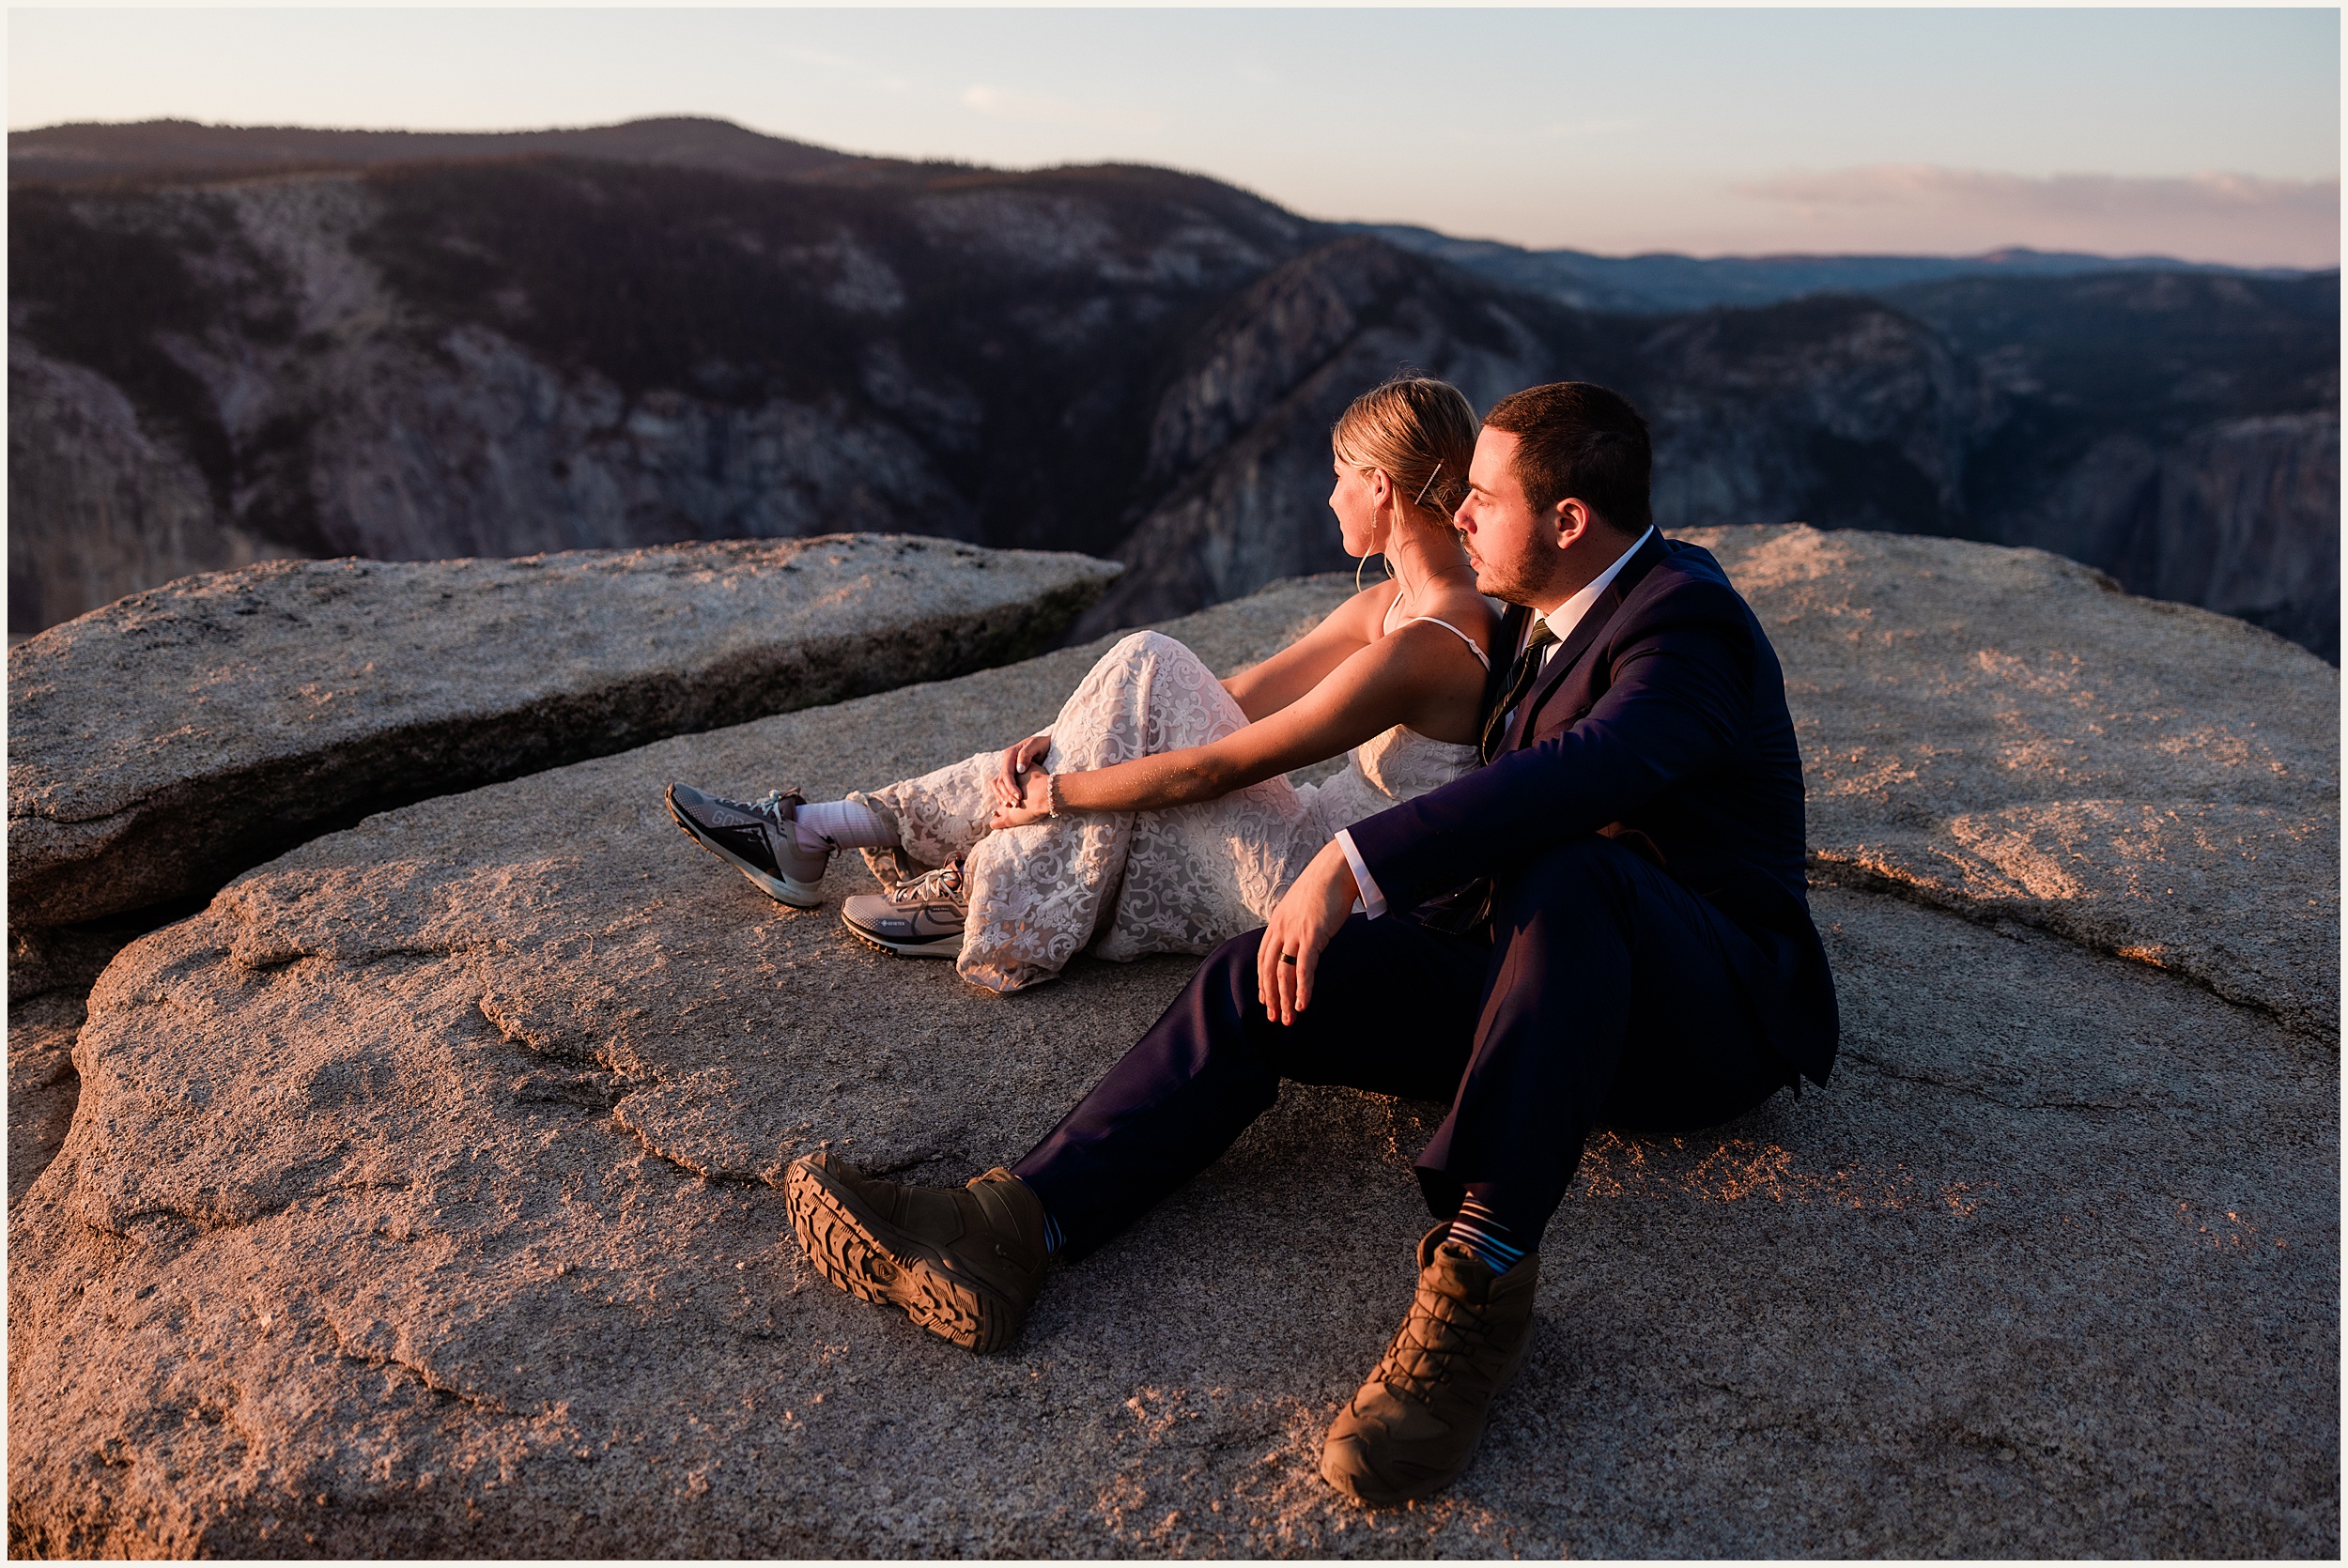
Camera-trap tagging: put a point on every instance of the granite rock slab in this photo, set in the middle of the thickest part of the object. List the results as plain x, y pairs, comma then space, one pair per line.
166, 740
2005, 733
421, 1199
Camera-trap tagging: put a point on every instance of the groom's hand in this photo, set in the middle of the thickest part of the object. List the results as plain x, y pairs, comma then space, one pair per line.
1299, 929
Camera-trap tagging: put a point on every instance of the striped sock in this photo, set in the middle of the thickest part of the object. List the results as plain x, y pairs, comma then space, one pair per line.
1479, 1230
842, 824
1053, 1239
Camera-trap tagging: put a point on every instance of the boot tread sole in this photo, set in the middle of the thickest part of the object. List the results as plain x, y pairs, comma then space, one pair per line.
846, 1246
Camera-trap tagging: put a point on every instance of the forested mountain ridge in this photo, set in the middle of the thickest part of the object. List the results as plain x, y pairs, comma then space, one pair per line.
1662, 282
411, 349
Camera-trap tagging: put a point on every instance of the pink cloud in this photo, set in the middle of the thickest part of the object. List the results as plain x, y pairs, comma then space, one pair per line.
1915, 208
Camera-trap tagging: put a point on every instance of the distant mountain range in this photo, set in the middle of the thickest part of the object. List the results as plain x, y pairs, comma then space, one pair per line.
1660, 282
231, 344
88, 155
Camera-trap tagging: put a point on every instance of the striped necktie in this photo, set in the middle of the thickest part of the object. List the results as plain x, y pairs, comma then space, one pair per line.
1521, 678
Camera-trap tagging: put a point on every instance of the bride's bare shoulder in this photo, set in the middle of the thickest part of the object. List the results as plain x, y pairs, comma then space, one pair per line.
1366, 611
1468, 610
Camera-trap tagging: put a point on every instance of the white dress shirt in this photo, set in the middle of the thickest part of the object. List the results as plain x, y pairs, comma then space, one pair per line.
1562, 620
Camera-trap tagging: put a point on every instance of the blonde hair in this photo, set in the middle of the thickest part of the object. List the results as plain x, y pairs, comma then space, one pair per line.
1419, 430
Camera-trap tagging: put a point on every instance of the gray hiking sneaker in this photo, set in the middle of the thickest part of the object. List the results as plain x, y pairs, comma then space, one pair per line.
920, 918
755, 839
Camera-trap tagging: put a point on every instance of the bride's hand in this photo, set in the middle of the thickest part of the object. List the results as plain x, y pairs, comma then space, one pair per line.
1034, 802
1009, 782
1300, 927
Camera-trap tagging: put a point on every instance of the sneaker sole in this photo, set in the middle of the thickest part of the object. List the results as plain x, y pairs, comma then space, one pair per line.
875, 1261
934, 947
783, 890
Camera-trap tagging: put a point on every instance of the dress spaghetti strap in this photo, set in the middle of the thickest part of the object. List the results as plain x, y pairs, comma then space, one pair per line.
1387, 628
1480, 657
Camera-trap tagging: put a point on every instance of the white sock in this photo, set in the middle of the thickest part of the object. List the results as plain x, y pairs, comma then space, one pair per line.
842, 824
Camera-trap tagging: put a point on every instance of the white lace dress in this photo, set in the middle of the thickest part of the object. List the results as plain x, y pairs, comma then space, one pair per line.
1183, 880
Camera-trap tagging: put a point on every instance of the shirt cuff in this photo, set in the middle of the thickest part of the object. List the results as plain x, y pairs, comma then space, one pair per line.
1371, 902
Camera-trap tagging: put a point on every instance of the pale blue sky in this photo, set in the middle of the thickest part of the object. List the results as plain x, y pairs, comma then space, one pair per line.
2213, 134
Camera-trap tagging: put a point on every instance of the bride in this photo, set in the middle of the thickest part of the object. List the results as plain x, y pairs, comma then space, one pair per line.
1154, 815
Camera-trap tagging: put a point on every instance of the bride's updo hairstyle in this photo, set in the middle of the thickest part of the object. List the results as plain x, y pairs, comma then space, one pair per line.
1420, 431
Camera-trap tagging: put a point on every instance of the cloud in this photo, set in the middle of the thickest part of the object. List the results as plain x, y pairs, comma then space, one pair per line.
1005, 105
2198, 217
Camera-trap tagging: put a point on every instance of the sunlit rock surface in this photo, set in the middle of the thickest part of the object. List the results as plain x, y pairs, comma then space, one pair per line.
176, 736
2000, 731
419, 1194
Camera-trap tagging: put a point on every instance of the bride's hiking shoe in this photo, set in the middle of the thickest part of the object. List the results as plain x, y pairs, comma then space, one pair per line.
919, 918
1414, 1426
965, 1263
756, 840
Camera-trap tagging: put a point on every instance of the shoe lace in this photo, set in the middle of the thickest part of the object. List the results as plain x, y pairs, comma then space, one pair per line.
769, 805
944, 883
1438, 1335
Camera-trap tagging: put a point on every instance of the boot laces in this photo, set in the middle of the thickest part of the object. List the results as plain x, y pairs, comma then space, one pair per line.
943, 884
1417, 1362
769, 805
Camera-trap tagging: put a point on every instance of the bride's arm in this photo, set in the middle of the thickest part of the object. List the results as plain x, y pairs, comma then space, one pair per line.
1263, 689
1422, 676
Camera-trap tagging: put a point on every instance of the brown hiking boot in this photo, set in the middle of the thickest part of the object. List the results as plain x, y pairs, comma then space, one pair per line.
965, 1264
1414, 1426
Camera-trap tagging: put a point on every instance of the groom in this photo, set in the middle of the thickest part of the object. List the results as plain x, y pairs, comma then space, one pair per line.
1608, 922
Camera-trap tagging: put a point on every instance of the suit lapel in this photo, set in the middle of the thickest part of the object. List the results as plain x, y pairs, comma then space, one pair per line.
1591, 627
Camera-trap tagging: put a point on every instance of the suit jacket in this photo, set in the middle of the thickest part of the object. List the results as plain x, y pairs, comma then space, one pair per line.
1662, 721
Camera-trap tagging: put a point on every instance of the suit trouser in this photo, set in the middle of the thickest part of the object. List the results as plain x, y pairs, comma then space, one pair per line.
1607, 994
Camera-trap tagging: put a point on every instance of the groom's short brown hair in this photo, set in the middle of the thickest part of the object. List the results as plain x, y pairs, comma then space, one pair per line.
1577, 438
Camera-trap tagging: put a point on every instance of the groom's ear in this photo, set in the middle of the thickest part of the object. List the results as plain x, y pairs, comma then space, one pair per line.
1572, 517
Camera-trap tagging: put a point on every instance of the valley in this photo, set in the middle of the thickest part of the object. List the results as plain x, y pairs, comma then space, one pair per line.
227, 346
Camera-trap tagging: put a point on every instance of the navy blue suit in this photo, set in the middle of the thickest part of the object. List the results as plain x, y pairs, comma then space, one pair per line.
1641, 953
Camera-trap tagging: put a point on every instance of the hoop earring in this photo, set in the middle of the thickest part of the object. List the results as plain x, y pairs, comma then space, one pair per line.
1362, 564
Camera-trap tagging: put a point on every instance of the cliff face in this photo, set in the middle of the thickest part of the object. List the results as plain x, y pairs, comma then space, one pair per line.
498, 361
1239, 449
2248, 523
2180, 432
103, 505
662, 333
